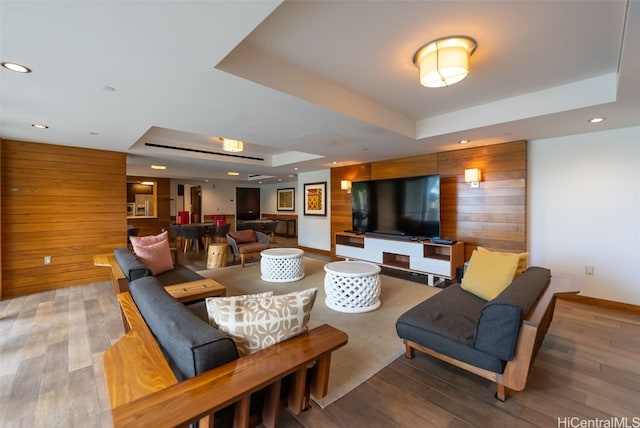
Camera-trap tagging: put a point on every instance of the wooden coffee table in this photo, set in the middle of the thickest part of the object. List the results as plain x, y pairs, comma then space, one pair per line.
196, 290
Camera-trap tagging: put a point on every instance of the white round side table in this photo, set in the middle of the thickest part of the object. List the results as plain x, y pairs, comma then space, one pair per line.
282, 264
352, 286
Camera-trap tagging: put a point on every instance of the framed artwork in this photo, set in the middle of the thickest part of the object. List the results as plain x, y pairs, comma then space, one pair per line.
286, 199
315, 198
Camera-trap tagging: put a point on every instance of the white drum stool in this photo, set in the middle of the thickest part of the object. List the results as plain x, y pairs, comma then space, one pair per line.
352, 287
282, 264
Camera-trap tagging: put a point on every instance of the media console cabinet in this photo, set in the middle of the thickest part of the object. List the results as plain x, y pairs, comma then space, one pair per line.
425, 257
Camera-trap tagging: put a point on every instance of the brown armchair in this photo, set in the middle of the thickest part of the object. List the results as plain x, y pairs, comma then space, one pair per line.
247, 243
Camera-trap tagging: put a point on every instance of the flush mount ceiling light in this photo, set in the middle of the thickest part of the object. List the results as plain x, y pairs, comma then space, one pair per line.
18, 68
229, 145
445, 61
39, 126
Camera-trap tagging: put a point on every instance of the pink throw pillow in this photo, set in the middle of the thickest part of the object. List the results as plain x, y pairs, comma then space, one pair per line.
146, 240
156, 256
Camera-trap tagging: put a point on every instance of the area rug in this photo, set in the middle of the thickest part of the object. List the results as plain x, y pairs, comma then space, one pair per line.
373, 342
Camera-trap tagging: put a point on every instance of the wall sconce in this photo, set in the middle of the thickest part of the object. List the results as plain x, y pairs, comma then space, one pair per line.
345, 185
472, 176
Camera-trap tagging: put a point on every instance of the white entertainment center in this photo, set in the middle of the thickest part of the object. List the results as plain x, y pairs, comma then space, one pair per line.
421, 256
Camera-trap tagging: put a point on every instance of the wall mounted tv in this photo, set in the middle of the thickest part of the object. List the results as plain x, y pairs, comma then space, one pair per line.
403, 207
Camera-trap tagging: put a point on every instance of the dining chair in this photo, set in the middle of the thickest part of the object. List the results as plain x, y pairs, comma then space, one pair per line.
269, 228
221, 233
208, 235
192, 237
178, 234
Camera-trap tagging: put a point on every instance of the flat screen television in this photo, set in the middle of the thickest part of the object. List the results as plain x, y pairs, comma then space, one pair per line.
405, 207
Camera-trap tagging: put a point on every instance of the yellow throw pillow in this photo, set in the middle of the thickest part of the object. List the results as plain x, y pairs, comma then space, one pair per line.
489, 273
522, 260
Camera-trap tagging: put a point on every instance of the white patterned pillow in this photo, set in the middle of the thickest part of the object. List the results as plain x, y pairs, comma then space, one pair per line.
212, 321
255, 324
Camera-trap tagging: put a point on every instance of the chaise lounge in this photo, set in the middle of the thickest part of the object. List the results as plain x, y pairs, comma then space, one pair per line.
495, 338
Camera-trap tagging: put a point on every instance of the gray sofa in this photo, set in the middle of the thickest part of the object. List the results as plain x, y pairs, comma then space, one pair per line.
465, 330
134, 269
201, 375
189, 343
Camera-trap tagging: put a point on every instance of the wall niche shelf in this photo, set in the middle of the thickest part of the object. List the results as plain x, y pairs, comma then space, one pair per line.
425, 257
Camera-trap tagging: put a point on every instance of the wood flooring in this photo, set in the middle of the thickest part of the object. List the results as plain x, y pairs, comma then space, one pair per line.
588, 368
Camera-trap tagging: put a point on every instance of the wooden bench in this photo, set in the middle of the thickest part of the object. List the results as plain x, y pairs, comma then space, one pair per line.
532, 332
143, 390
184, 291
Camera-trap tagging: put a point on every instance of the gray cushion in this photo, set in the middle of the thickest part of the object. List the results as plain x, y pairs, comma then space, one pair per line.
446, 323
190, 344
134, 269
177, 275
500, 319
130, 265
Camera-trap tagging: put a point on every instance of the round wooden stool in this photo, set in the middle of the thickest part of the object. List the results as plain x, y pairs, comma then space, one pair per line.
217, 256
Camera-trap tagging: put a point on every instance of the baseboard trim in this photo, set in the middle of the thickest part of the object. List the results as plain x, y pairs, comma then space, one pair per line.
315, 250
603, 303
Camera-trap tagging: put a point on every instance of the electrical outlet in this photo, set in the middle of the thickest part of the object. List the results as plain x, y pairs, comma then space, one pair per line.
47, 260
589, 270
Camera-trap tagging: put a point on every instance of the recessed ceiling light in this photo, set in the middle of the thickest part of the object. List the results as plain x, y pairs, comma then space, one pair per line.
463, 141
108, 88
39, 126
596, 120
158, 167
18, 68
233, 173
93, 133
295, 169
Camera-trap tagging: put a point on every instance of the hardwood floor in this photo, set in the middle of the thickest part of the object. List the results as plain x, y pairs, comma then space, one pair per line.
51, 348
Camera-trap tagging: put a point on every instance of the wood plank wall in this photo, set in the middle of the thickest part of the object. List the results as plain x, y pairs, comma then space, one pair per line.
63, 202
493, 215
341, 200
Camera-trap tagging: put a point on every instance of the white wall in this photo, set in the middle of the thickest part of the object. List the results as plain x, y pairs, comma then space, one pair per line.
584, 209
217, 198
314, 231
269, 198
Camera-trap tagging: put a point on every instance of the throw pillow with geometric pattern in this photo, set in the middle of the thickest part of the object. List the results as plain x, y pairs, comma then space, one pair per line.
255, 324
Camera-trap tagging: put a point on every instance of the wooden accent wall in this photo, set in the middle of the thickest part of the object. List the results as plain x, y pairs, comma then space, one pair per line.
413, 166
493, 215
65, 202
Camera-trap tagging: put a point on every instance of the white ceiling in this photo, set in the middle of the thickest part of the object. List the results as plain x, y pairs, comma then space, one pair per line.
309, 83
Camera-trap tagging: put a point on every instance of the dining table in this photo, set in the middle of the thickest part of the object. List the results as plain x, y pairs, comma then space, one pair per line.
196, 237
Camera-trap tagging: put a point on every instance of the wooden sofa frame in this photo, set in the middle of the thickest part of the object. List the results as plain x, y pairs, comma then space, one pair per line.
532, 332
143, 390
